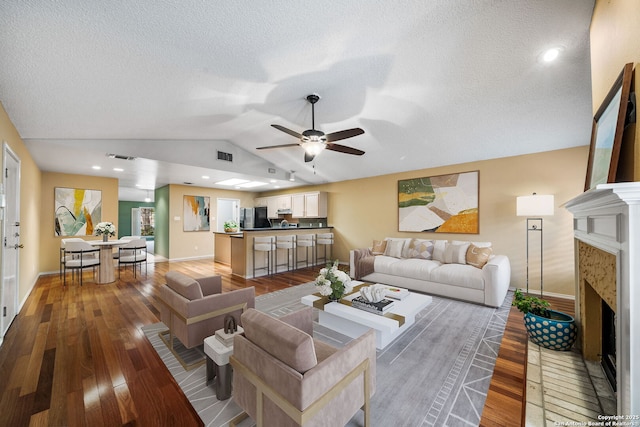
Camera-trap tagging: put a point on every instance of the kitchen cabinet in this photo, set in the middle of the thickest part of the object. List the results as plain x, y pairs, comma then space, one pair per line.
298, 205
272, 207
309, 205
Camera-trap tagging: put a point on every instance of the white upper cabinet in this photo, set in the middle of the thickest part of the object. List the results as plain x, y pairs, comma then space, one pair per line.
309, 205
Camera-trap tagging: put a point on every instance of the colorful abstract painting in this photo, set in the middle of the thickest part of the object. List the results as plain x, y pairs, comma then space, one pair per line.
196, 213
77, 211
441, 204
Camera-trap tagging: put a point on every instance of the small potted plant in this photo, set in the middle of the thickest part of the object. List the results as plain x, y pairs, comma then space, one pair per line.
230, 226
549, 328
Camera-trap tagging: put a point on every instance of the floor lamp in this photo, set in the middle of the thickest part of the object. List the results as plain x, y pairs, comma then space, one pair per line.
534, 207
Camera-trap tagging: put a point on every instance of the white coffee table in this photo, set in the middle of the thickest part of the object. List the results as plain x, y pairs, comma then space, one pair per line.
354, 322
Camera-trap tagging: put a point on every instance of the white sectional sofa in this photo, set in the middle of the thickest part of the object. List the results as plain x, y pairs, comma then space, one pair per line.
456, 269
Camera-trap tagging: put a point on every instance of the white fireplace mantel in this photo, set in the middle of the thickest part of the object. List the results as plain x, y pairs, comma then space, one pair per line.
608, 217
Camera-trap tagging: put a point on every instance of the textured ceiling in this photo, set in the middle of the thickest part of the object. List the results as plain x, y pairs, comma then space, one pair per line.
432, 82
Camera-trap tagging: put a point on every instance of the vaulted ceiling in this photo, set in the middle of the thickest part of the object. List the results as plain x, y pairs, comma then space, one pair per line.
171, 83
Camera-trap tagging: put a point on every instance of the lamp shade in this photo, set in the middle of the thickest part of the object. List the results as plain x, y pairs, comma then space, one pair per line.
534, 205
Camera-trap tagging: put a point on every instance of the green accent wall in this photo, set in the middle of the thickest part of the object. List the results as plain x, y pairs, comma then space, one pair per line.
162, 221
124, 215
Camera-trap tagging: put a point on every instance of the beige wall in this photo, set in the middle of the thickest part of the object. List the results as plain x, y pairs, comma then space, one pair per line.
196, 244
615, 41
30, 206
365, 209
49, 242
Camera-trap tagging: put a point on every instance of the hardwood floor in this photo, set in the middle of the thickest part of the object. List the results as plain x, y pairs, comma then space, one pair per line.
75, 356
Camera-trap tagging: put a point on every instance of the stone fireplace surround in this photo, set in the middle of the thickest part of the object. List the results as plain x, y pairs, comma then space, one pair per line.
607, 233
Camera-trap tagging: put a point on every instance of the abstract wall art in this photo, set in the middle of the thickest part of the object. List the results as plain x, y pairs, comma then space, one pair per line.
441, 204
77, 211
196, 213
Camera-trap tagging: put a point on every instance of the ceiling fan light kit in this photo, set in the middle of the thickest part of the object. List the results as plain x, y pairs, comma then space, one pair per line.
314, 141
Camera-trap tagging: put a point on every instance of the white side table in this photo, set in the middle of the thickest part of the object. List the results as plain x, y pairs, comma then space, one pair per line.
218, 367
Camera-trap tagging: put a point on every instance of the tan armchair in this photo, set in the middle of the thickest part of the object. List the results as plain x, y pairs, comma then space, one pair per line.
195, 309
283, 377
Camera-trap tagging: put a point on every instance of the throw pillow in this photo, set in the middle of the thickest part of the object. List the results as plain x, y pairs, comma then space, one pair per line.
478, 256
394, 248
438, 250
421, 249
379, 247
456, 254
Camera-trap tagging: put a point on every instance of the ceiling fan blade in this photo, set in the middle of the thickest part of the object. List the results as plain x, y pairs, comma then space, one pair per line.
289, 131
344, 149
308, 157
277, 146
343, 134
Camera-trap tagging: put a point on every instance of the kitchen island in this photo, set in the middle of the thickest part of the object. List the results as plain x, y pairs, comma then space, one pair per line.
242, 246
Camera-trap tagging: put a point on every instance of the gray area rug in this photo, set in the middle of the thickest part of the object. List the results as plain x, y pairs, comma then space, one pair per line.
436, 374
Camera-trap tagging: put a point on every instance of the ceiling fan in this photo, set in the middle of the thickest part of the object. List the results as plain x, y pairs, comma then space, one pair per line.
314, 141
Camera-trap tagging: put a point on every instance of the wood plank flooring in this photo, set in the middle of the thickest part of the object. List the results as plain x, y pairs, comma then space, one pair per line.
75, 356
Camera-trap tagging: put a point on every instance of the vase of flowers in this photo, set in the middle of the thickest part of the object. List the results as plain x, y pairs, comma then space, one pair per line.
333, 283
105, 229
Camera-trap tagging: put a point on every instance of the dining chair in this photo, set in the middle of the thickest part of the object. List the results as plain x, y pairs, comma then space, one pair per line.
79, 255
134, 252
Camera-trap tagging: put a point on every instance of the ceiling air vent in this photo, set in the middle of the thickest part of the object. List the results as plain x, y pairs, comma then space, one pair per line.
227, 157
119, 156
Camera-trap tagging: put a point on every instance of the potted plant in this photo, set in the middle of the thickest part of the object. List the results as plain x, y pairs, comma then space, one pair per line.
230, 226
549, 328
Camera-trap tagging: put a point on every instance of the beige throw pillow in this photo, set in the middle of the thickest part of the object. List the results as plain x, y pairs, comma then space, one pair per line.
477, 256
438, 250
456, 254
378, 247
394, 248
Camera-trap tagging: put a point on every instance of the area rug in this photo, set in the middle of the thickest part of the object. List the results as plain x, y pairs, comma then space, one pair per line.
437, 373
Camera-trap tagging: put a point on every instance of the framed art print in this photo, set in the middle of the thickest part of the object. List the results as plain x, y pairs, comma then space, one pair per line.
607, 130
77, 211
440, 204
196, 213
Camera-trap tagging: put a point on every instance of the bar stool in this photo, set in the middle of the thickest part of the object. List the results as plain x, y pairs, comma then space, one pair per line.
289, 244
306, 241
325, 240
266, 245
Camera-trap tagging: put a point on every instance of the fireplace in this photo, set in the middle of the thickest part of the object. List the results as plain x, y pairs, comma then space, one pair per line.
607, 235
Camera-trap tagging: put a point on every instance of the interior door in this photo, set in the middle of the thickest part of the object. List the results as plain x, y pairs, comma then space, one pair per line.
10, 239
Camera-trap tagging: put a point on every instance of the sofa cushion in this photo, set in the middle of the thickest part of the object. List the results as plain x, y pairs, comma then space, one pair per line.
383, 264
286, 343
420, 248
478, 256
413, 268
464, 276
184, 285
379, 247
455, 253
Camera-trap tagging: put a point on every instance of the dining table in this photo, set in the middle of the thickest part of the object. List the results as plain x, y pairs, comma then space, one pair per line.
106, 272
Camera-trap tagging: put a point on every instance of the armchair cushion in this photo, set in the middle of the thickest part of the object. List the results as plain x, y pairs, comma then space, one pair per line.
294, 347
184, 285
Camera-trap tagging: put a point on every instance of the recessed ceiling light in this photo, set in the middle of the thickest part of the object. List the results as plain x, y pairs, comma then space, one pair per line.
96, 167
205, 177
232, 181
118, 169
551, 54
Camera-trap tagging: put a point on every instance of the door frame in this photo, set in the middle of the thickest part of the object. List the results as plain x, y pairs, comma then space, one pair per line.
5, 323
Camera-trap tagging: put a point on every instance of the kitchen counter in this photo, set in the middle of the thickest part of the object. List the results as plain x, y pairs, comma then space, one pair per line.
242, 246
